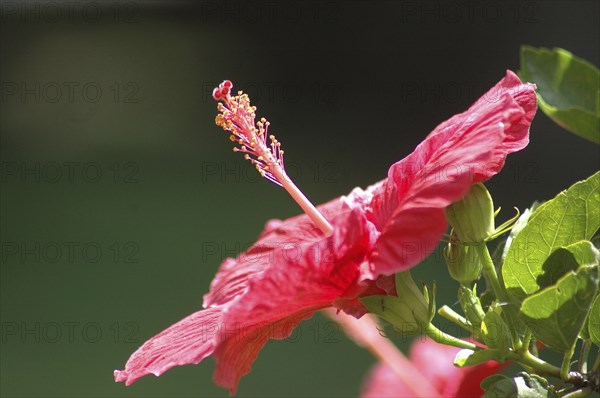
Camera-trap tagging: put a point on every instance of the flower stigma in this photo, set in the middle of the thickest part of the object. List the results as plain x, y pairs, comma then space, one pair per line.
237, 116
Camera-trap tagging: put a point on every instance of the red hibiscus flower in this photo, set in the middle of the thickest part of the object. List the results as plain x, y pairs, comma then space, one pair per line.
333, 254
435, 363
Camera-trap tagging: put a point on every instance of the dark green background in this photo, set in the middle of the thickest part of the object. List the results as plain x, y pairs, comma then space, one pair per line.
349, 89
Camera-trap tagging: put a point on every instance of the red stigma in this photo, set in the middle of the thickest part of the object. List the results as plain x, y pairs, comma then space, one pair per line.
223, 90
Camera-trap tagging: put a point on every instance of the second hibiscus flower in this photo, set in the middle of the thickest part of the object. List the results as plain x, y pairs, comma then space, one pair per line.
295, 268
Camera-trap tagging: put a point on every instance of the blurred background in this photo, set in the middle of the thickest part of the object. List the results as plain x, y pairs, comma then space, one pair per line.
120, 197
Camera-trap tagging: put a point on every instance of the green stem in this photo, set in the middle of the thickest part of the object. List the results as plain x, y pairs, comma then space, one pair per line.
533, 346
583, 356
582, 392
490, 272
526, 340
444, 338
596, 363
455, 318
566, 364
526, 358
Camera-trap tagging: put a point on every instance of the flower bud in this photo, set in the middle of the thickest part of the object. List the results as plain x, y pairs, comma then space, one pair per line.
409, 311
472, 217
471, 305
463, 262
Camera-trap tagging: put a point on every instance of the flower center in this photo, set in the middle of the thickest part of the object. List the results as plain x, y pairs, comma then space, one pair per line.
237, 116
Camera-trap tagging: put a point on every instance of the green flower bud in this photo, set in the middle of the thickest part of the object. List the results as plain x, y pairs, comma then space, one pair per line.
463, 262
409, 311
471, 305
472, 217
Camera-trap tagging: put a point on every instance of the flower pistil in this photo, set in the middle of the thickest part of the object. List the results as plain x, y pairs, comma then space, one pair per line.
237, 116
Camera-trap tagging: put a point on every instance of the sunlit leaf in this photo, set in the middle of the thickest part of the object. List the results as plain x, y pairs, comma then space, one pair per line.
594, 322
557, 313
566, 259
572, 216
468, 357
568, 88
522, 386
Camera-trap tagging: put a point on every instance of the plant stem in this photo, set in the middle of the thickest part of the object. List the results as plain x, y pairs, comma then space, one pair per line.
526, 340
583, 356
490, 272
596, 363
444, 338
526, 358
566, 364
534, 346
580, 393
455, 318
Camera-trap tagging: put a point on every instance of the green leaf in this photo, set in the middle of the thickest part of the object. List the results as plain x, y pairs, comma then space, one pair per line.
522, 386
466, 357
557, 313
568, 89
517, 227
594, 322
490, 380
572, 216
565, 259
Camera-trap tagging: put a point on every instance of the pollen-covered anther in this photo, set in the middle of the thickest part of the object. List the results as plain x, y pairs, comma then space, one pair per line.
237, 116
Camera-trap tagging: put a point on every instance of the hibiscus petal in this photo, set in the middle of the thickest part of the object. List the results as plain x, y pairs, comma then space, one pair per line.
232, 278
301, 279
188, 341
236, 354
448, 379
408, 207
365, 333
435, 361
383, 382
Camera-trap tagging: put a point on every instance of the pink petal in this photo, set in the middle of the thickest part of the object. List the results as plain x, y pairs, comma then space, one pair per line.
449, 380
365, 333
408, 207
188, 341
299, 281
233, 276
435, 361
236, 354
383, 382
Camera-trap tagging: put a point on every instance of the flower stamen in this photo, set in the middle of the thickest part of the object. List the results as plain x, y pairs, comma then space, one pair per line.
263, 150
